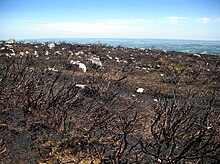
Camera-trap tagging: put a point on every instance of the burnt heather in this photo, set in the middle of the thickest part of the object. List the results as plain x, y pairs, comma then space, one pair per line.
92, 103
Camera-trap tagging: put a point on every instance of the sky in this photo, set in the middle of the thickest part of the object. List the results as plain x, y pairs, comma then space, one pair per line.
164, 19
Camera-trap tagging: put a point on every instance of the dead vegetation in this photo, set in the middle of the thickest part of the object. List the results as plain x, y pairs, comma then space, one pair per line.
65, 115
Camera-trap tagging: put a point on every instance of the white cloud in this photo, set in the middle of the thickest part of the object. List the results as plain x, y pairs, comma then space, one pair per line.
203, 20
108, 28
128, 21
176, 20
172, 27
218, 20
96, 28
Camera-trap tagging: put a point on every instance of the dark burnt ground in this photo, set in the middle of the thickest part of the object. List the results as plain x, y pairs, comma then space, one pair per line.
75, 103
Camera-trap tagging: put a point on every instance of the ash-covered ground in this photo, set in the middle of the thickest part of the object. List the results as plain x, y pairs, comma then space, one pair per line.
93, 103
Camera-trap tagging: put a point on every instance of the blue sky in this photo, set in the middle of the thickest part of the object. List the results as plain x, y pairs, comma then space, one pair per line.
166, 19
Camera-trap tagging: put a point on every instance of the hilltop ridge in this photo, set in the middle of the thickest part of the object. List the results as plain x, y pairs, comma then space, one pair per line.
64, 103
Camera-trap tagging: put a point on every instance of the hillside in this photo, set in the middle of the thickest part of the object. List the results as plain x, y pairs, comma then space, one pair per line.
84, 103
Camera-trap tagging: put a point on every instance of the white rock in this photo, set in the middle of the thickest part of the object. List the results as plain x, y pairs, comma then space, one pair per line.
158, 66
79, 53
51, 45
12, 50
117, 59
36, 54
74, 62
9, 46
71, 53
8, 55
96, 61
140, 90
21, 53
82, 86
159, 161
155, 100
209, 127
47, 53
109, 57
197, 55
57, 52
82, 66
13, 54
2, 48
52, 69
125, 61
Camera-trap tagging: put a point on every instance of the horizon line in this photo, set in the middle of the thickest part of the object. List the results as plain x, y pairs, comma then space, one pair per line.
67, 38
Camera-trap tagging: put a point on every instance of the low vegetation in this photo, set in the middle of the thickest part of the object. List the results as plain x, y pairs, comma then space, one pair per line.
123, 106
